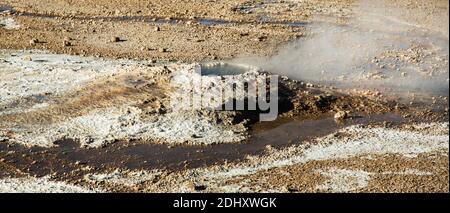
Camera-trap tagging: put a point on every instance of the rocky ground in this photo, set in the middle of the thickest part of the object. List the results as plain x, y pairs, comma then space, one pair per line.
86, 91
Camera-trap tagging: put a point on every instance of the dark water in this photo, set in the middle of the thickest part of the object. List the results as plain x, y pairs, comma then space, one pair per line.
222, 69
147, 155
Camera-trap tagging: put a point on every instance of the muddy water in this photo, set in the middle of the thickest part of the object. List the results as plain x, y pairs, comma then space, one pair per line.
68, 155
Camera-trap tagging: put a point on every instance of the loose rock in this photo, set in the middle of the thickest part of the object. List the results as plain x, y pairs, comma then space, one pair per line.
115, 39
341, 115
34, 41
67, 43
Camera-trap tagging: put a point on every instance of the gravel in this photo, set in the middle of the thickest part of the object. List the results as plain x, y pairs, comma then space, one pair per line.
39, 185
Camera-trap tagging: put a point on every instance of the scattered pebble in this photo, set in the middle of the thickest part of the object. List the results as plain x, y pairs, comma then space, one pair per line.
67, 43
341, 115
27, 58
262, 38
34, 41
269, 147
115, 39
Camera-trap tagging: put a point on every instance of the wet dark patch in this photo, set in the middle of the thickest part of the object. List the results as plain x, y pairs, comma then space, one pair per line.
5, 8
68, 157
222, 69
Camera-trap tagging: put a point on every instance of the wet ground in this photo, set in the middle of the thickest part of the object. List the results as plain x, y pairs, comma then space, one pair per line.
141, 155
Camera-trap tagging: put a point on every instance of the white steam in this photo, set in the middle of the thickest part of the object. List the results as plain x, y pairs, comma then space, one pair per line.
383, 45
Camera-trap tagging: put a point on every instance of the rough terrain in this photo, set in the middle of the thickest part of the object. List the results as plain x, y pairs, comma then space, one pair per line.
86, 96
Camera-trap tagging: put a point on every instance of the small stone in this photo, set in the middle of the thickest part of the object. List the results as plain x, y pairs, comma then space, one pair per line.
157, 29
262, 38
194, 136
200, 188
162, 50
27, 58
309, 85
79, 163
34, 41
67, 43
290, 189
319, 98
115, 39
403, 74
190, 186
341, 115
